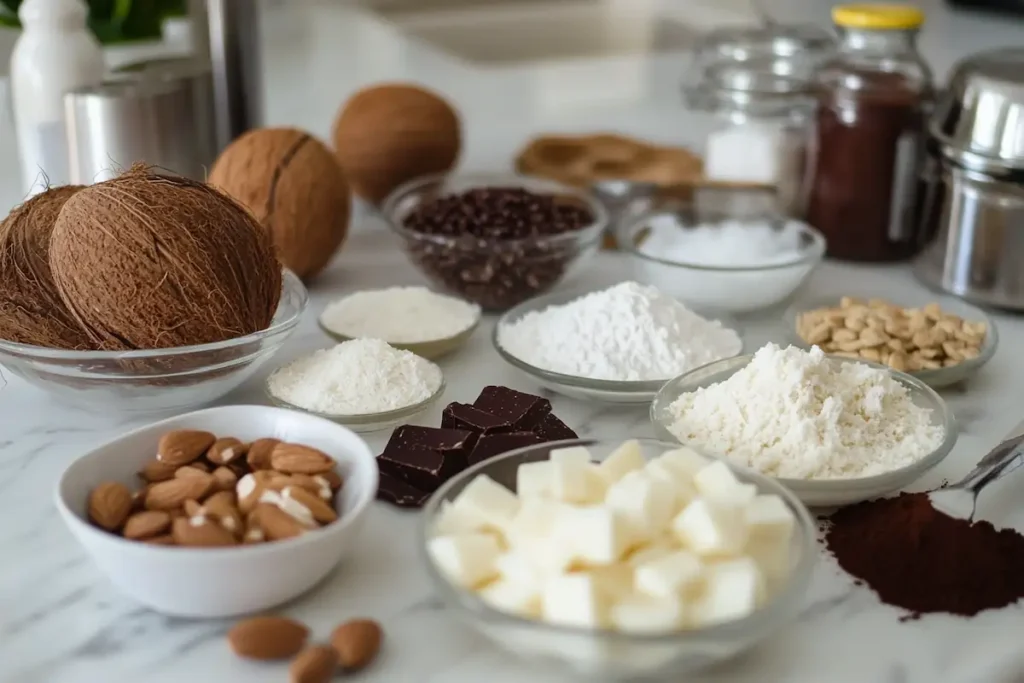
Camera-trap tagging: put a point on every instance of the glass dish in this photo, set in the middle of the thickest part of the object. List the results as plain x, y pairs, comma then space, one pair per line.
938, 378
824, 492
733, 289
583, 388
159, 380
367, 422
605, 655
431, 349
495, 274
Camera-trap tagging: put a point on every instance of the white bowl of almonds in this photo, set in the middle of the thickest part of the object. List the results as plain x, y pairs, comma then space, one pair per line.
939, 340
223, 511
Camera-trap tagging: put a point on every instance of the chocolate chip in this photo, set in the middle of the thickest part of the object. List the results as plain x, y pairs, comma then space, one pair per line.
466, 416
399, 493
490, 445
523, 411
553, 429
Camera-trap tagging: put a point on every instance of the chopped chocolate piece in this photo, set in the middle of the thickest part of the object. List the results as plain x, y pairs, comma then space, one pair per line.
426, 457
466, 416
553, 429
490, 445
522, 411
399, 493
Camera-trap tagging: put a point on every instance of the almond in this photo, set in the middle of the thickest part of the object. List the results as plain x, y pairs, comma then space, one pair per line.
199, 532
182, 446
333, 479
225, 450
221, 498
190, 471
109, 505
172, 494
147, 524
248, 492
224, 479
165, 539
357, 643
139, 498
253, 531
258, 454
199, 465
226, 514
276, 524
293, 458
154, 471
267, 638
192, 508
321, 511
314, 665
304, 481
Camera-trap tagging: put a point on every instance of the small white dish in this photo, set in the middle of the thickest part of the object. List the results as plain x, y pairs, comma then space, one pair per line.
220, 582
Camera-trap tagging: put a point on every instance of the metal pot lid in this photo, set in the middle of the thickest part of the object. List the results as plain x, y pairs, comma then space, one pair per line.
982, 112
771, 40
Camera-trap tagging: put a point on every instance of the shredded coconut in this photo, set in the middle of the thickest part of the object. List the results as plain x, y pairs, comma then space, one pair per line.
400, 315
628, 332
794, 414
748, 243
356, 378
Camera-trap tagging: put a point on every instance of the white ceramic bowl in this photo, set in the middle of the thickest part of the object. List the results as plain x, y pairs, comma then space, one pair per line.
220, 582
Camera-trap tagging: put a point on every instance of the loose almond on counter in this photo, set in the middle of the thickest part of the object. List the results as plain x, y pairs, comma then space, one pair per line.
314, 665
357, 643
267, 638
109, 505
182, 446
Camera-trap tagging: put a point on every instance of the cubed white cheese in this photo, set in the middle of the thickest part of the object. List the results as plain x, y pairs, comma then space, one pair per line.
551, 556
515, 598
535, 519
453, 520
598, 534
576, 482
686, 461
518, 567
625, 459
732, 590
574, 600
717, 481
673, 574
682, 488
646, 503
769, 517
468, 560
575, 455
651, 551
772, 556
614, 581
533, 479
710, 529
487, 503
643, 614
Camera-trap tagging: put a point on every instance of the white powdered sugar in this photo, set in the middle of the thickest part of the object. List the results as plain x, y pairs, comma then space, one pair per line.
400, 315
795, 414
628, 332
357, 377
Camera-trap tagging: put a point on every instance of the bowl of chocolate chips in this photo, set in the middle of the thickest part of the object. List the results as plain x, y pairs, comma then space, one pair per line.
494, 239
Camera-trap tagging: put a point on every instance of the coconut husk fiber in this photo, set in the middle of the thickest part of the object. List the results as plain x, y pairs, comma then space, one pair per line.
296, 189
31, 310
146, 261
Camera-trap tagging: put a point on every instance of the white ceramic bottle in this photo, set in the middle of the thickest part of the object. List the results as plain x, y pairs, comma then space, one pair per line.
55, 53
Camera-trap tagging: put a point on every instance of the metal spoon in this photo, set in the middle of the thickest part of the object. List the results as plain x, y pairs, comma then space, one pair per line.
961, 499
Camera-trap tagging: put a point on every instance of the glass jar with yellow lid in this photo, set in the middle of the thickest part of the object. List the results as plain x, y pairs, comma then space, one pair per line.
873, 98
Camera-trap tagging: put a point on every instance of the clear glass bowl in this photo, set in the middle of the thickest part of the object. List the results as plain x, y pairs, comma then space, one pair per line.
937, 379
823, 492
496, 274
366, 422
583, 388
607, 655
159, 380
734, 289
430, 349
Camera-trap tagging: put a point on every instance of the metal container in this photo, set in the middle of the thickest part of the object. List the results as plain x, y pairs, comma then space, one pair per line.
236, 57
129, 120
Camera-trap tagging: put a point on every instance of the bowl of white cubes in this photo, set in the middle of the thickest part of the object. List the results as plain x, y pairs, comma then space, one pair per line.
618, 559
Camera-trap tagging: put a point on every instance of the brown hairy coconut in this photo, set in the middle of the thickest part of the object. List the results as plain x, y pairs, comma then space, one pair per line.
146, 261
295, 187
389, 134
31, 310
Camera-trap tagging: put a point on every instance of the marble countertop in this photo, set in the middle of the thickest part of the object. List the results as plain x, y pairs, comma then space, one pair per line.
62, 622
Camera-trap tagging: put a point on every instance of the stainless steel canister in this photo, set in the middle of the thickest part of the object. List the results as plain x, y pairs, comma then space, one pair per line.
120, 122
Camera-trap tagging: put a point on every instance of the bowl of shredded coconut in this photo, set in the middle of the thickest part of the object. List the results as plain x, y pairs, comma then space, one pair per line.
833, 430
616, 345
363, 384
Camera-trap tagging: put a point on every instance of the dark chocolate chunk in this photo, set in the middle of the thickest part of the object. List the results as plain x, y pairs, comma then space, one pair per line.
426, 457
522, 411
490, 445
466, 416
431, 438
553, 429
399, 493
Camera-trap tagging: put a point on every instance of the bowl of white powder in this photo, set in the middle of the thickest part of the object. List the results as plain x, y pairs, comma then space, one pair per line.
725, 264
835, 431
616, 345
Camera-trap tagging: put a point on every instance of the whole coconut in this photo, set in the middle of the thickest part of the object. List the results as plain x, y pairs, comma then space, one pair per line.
295, 187
31, 310
389, 134
145, 261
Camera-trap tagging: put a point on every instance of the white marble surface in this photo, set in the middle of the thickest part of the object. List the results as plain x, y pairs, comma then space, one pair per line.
61, 622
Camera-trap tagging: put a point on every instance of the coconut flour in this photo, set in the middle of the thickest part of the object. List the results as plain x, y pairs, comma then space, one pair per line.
629, 332
795, 414
358, 377
400, 315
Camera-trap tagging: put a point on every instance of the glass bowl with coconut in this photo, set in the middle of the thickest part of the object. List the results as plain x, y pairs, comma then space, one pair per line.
142, 294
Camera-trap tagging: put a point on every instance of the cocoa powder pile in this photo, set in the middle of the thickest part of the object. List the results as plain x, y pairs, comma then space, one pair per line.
923, 561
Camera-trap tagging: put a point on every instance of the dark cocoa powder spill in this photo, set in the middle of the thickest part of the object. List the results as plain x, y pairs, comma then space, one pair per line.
923, 561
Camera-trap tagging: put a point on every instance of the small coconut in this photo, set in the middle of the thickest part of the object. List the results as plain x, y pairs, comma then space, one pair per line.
295, 187
389, 134
145, 261
31, 310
